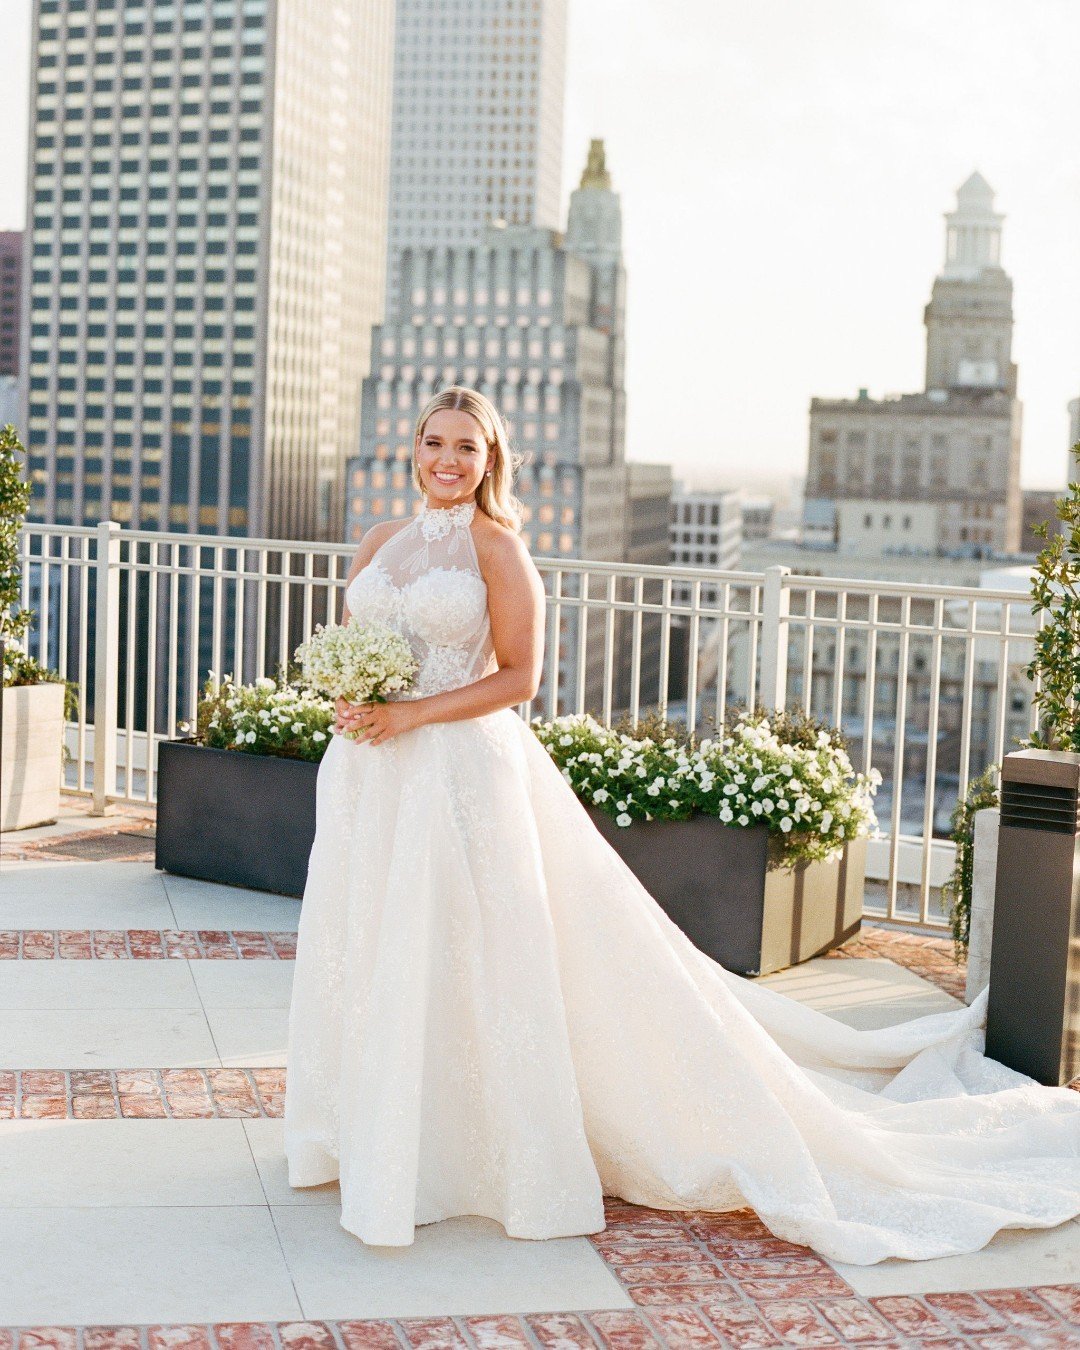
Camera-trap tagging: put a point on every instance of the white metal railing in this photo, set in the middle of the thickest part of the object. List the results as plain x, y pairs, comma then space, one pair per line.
926, 681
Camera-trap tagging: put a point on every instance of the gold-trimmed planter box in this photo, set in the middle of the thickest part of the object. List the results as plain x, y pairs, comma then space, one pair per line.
724, 887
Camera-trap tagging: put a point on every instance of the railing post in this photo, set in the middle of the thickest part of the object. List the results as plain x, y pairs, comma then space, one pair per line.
775, 602
106, 664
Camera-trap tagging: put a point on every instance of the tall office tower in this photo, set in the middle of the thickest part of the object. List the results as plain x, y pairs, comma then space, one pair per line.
208, 227
11, 270
477, 124
534, 320
648, 544
937, 471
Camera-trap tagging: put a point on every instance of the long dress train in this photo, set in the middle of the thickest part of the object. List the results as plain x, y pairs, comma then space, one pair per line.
490, 1014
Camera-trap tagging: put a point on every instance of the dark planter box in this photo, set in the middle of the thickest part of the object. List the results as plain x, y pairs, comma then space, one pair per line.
249, 820
721, 884
245, 820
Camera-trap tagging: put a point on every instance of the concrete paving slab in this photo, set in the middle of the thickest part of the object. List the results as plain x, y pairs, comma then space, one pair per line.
461, 1266
64, 1163
178, 1264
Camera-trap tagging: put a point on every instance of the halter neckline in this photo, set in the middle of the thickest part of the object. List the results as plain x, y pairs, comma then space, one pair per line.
438, 521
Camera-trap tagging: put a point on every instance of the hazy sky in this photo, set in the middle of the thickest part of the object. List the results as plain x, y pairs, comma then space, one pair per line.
784, 167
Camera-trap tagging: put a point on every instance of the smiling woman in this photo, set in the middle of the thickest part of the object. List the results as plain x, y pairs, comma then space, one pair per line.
492, 1015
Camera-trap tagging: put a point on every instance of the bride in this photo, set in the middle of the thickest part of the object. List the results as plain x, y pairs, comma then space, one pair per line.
490, 1015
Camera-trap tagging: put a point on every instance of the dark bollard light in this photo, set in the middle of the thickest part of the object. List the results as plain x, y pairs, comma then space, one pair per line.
1033, 1013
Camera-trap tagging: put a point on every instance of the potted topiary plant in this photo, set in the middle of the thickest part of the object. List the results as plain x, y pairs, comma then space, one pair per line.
36, 700
753, 841
1032, 1022
1055, 591
1055, 665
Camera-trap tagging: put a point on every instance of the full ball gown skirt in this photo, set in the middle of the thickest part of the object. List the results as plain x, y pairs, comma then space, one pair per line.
490, 1014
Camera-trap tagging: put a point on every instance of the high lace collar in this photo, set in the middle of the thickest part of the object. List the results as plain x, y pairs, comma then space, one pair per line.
435, 522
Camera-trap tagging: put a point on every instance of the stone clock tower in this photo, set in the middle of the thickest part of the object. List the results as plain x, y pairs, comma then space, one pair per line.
969, 318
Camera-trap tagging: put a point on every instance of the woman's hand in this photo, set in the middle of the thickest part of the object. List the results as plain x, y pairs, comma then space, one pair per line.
376, 722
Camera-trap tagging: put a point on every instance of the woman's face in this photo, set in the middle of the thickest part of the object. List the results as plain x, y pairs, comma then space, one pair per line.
451, 457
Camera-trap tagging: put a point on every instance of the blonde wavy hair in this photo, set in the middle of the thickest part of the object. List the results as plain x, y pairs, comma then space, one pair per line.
494, 496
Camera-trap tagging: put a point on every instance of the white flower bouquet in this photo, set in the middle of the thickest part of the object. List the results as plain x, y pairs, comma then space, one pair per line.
360, 662
781, 770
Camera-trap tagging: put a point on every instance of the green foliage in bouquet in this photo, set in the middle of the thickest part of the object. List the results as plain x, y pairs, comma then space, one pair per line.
783, 770
1055, 590
269, 717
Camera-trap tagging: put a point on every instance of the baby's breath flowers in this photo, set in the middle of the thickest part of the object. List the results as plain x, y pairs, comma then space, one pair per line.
361, 662
783, 771
269, 717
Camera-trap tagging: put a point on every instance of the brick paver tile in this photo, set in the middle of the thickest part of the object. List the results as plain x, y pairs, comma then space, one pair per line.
1021, 1308
93, 1106
741, 1326
623, 1330
966, 1312
1063, 1298
194, 1337
629, 1253
682, 1328
244, 1336
797, 1323
306, 1336
368, 1336
677, 1272
35, 1107
112, 1338
432, 1333
813, 1287
855, 1321
560, 1331
48, 1338
649, 1295
140, 1107
910, 1316
497, 1333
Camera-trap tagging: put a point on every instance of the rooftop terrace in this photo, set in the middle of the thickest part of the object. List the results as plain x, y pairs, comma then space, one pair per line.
144, 1200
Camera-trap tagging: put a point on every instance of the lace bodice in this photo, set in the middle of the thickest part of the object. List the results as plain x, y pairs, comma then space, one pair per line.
425, 583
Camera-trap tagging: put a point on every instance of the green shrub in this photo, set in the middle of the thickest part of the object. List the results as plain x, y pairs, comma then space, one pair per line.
781, 770
269, 717
982, 792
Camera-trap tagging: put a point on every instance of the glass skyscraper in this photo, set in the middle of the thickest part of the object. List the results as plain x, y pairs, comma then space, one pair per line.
207, 247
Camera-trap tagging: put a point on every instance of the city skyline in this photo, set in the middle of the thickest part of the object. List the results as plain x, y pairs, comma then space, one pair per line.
801, 216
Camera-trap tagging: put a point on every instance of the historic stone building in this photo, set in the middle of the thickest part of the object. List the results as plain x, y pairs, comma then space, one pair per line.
939, 470
534, 319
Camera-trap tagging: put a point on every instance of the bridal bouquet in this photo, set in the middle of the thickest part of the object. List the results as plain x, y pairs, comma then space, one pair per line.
360, 662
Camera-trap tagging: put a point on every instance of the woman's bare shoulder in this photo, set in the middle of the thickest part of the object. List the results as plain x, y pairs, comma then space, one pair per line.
497, 543
504, 558
373, 539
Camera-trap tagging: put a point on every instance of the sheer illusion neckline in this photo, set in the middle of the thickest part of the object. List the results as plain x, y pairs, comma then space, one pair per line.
435, 522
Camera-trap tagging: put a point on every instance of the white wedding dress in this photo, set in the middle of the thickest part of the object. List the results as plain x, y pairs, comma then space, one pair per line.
490, 1015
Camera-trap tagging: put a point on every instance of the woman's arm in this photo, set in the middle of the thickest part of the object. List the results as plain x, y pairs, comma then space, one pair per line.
516, 603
